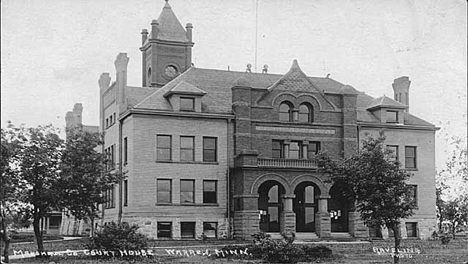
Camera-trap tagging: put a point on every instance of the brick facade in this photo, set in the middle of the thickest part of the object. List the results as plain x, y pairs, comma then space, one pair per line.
267, 127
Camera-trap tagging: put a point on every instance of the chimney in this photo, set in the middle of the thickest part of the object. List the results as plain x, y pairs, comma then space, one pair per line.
78, 111
144, 36
104, 81
401, 90
154, 29
121, 63
188, 28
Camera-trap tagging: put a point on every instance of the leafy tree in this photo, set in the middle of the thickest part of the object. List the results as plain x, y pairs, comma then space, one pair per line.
373, 179
456, 212
34, 171
83, 174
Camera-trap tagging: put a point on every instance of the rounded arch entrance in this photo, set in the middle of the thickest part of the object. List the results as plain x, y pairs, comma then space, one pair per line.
270, 205
305, 205
339, 207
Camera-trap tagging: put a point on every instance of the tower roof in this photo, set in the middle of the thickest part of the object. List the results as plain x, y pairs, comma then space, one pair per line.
170, 28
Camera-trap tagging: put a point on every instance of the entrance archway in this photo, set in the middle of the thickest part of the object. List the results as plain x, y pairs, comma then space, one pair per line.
339, 208
305, 206
270, 205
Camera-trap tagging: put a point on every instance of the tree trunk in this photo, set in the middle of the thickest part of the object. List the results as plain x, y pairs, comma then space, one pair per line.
38, 235
397, 236
453, 230
7, 239
92, 226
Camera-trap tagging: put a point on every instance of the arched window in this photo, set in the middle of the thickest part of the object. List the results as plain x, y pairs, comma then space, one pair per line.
305, 113
285, 112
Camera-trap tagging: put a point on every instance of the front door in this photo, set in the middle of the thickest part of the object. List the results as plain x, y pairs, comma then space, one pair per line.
305, 207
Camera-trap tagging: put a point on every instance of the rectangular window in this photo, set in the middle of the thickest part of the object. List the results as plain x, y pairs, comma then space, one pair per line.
187, 104
413, 194
411, 229
392, 116
410, 157
110, 199
107, 122
187, 189
164, 191
313, 149
115, 119
294, 150
125, 190
112, 156
164, 147
164, 230
187, 229
394, 152
125, 156
187, 149
276, 149
210, 229
209, 192
209, 149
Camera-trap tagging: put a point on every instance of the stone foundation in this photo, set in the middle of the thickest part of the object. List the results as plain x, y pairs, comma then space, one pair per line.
246, 223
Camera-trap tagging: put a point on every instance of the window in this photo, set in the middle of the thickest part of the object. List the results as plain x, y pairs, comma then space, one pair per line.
285, 112
107, 122
410, 157
125, 190
110, 154
305, 113
187, 104
277, 149
125, 156
164, 144
210, 229
209, 192
187, 188
164, 230
187, 150
209, 149
294, 149
110, 199
413, 194
164, 191
149, 76
187, 229
392, 116
411, 229
394, 152
313, 149
112, 151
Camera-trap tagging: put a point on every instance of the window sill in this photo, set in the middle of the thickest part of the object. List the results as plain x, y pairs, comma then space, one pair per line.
411, 169
189, 162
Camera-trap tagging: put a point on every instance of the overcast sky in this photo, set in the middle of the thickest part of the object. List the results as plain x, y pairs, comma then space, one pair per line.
53, 51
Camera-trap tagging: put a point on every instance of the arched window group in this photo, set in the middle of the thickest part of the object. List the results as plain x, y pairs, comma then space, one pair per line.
304, 114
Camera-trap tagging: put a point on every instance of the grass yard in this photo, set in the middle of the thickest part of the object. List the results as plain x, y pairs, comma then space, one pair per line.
429, 252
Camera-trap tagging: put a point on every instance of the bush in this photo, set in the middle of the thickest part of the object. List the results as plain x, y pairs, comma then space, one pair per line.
445, 239
115, 237
281, 251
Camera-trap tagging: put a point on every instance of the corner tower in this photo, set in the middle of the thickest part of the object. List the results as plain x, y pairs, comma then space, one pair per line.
166, 50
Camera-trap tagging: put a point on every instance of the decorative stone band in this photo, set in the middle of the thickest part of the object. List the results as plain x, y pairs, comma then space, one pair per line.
295, 130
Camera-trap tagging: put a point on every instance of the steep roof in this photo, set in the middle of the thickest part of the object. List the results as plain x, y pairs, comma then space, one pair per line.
169, 27
184, 88
217, 85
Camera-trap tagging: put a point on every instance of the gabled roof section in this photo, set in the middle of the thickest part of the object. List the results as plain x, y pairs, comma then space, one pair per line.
296, 80
170, 28
185, 88
386, 102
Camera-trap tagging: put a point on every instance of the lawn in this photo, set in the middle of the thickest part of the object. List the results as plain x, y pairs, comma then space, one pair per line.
426, 252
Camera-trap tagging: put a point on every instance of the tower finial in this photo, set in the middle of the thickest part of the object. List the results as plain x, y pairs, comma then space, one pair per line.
167, 4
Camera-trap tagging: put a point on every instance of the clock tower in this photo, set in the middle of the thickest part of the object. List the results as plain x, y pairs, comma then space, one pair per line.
166, 50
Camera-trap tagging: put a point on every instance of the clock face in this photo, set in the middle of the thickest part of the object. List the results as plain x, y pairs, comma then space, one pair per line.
171, 71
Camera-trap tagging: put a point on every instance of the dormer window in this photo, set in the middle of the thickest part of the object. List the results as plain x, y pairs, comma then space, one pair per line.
392, 116
187, 104
305, 113
285, 112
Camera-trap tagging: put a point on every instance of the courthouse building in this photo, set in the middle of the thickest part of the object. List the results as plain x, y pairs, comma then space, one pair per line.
216, 153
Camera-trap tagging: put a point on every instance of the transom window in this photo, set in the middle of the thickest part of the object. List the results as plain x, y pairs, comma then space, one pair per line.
285, 112
305, 114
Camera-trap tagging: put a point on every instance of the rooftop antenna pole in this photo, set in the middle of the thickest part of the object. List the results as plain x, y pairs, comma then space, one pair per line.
256, 32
